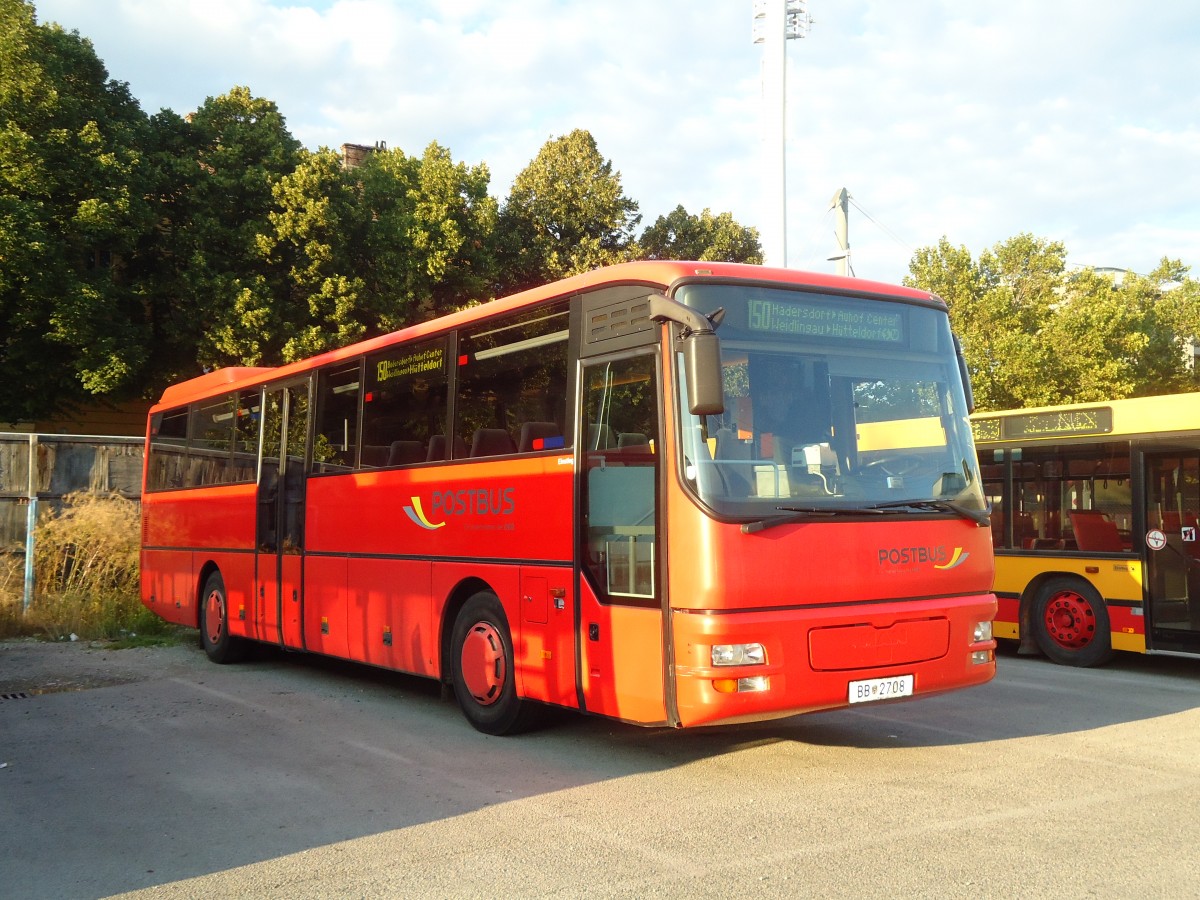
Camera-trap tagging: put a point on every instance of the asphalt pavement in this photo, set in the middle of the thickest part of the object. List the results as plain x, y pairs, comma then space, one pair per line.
157, 773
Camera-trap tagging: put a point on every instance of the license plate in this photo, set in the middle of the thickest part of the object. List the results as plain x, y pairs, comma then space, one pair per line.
871, 689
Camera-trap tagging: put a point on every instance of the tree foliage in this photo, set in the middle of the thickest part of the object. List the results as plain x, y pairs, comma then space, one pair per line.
1035, 333
243, 151
681, 235
566, 213
377, 247
72, 204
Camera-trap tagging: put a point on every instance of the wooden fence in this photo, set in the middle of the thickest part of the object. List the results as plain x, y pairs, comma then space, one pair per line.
38, 470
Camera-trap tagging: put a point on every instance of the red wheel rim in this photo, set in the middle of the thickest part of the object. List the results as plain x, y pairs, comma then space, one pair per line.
214, 616
482, 664
1070, 620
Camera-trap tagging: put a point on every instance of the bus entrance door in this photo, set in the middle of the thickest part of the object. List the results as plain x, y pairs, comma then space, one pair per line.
621, 617
279, 600
1173, 550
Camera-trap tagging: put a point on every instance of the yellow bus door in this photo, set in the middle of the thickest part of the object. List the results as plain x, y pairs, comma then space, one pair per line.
1173, 548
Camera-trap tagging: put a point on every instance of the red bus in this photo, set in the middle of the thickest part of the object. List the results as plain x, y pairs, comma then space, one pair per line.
671, 493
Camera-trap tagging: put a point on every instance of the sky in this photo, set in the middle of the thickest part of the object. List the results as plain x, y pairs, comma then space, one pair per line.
1073, 120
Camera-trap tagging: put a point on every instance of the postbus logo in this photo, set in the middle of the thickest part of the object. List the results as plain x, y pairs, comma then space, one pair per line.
915, 557
418, 517
474, 502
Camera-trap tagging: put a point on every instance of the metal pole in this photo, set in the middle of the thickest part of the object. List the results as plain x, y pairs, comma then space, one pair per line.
841, 202
30, 523
770, 30
775, 23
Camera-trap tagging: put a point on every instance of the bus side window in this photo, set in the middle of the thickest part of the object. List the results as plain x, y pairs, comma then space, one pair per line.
168, 450
405, 405
512, 378
210, 443
338, 390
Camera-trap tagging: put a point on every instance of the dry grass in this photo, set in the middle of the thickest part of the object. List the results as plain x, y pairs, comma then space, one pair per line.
85, 574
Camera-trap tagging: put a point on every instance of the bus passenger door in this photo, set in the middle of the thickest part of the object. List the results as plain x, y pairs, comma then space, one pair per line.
621, 616
1173, 553
279, 604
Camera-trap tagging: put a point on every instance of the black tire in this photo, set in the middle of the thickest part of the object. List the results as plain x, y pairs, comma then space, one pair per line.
482, 672
1070, 623
215, 638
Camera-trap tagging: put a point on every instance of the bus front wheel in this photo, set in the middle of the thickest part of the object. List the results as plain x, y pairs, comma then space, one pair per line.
1070, 623
218, 643
482, 671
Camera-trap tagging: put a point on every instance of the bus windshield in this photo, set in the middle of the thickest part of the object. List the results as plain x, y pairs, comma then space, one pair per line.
831, 403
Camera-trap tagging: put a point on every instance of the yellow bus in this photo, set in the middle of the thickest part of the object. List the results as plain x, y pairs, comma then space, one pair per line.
1094, 524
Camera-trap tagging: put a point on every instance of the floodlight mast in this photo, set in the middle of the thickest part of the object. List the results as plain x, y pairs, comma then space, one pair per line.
775, 23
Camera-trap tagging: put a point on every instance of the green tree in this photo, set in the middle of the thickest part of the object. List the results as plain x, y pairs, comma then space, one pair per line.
1035, 334
681, 235
431, 234
313, 232
371, 249
566, 213
1176, 299
244, 150
72, 206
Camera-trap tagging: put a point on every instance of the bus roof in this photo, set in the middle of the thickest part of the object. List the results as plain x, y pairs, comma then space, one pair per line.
653, 273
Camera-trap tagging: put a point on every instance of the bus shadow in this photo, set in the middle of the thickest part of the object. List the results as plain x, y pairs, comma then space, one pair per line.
1029, 697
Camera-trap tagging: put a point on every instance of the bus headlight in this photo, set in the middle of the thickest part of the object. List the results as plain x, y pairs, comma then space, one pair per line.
742, 685
738, 655
983, 632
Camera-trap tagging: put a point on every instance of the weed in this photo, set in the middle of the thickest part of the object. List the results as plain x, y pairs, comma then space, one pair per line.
85, 575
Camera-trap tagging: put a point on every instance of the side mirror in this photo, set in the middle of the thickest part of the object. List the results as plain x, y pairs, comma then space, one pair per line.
702, 372
701, 353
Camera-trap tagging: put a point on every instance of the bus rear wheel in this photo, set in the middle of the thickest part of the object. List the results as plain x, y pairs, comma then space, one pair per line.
218, 643
1070, 623
482, 670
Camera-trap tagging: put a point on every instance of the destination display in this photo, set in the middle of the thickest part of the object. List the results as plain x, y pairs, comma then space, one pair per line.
415, 363
1066, 423
825, 321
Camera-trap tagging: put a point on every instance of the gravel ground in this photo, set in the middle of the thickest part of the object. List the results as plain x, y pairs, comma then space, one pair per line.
43, 667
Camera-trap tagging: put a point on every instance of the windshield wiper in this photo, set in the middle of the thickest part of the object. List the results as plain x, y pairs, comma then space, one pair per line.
800, 513
981, 517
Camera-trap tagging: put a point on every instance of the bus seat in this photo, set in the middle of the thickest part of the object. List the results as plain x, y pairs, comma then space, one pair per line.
631, 439
1024, 530
600, 437
403, 453
1095, 531
437, 448
730, 446
491, 442
373, 456
532, 431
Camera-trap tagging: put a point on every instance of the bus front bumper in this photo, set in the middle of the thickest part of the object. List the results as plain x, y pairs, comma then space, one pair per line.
745, 666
